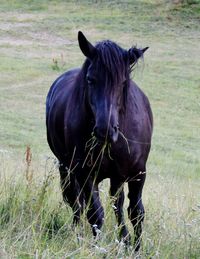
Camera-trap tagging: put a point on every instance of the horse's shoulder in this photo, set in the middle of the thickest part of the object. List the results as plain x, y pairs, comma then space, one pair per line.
64, 78
61, 85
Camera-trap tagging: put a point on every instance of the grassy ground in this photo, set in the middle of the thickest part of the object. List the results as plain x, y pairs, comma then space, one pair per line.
38, 41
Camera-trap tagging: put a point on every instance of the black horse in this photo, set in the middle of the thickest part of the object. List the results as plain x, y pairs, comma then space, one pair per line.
99, 125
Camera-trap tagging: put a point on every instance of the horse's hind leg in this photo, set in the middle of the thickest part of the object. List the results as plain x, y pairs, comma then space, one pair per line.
136, 209
117, 194
71, 192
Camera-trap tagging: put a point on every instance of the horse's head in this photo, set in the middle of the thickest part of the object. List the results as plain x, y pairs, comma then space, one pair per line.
107, 81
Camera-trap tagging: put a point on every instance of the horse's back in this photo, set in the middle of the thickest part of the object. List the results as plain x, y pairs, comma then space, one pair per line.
57, 99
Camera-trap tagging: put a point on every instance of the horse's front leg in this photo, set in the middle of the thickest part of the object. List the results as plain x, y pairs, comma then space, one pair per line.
71, 192
136, 210
95, 213
117, 195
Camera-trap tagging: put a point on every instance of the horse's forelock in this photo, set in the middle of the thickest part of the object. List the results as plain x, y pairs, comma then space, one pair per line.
113, 59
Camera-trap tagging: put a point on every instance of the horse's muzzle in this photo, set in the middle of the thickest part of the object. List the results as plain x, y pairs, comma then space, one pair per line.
106, 134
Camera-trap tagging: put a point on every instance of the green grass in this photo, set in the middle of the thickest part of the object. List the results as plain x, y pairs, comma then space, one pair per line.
34, 222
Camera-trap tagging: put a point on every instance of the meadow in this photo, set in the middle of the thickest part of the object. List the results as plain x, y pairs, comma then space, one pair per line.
38, 42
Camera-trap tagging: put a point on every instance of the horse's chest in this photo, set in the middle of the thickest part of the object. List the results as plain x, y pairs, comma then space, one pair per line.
110, 167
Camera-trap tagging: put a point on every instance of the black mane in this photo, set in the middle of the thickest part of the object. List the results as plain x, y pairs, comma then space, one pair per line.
115, 61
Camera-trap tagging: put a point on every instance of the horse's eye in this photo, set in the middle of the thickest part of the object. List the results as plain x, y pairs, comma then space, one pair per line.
90, 81
124, 83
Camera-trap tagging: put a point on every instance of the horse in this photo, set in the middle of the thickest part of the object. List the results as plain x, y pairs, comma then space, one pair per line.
99, 125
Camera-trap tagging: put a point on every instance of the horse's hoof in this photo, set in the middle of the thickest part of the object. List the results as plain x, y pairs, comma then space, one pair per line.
125, 236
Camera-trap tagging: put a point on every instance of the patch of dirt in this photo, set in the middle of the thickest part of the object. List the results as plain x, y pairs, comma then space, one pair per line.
47, 38
15, 42
25, 85
39, 40
3, 254
20, 24
6, 26
22, 17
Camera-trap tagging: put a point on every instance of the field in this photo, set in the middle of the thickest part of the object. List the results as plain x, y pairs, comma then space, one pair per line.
38, 41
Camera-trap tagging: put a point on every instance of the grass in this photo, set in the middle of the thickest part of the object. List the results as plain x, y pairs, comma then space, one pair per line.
34, 222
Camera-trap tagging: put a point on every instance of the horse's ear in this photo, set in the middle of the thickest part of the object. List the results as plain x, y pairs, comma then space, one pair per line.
134, 54
86, 47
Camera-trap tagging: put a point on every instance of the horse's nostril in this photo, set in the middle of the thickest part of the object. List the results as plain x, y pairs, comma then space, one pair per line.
95, 130
115, 128
103, 134
98, 133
